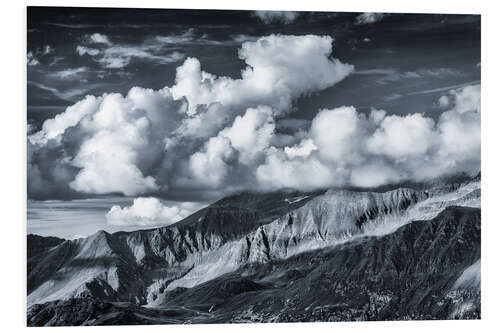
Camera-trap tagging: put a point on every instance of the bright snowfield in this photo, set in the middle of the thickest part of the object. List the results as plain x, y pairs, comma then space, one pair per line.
312, 175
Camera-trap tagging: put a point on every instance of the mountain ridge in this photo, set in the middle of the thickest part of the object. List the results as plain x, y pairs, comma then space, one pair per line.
144, 267
363, 279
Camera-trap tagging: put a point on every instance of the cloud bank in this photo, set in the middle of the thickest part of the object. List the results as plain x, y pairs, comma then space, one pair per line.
207, 136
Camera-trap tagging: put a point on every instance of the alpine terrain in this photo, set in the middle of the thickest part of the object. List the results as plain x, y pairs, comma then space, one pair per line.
409, 252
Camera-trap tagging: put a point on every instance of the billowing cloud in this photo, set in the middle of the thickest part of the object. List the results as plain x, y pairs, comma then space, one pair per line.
369, 18
279, 69
207, 136
462, 100
269, 17
345, 147
149, 212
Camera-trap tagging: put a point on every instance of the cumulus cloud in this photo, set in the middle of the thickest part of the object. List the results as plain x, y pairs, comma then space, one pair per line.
463, 100
207, 136
190, 37
201, 134
149, 212
369, 18
120, 56
345, 147
269, 17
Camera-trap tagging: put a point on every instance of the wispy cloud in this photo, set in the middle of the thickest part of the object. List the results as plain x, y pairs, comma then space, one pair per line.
446, 88
55, 60
393, 97
189, 37
269, 17
121, 56
369, 18
67, 95
159, 49
69, 73
108, 26
73, 26
112, 55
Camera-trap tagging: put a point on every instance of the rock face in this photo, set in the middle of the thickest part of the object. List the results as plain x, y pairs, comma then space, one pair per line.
283, 256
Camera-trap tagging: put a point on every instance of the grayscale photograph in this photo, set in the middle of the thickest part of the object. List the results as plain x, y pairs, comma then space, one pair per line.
193, 166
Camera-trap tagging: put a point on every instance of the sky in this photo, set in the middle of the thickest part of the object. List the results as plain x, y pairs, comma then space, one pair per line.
136, 118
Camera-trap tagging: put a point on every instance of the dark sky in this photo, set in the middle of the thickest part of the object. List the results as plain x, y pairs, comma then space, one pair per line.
444, 51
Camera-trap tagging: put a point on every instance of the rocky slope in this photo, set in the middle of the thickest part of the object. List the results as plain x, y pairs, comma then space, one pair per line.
148, 267
423, 270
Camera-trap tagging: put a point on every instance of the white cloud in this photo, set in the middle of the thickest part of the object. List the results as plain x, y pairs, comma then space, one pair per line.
279, 69
303, 149
207, 135
369, 18
466, 99
55, 60
69, 73
390, 75
47, 50
118, 56
243, 142
358, 150
98, 38
134, 133
269, 17
187, 36
53, 128
149, 211
190, 37
401, 137
31, 59
83, 50
68, 94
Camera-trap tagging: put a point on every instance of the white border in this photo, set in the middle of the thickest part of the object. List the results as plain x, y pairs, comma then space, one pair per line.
13, 165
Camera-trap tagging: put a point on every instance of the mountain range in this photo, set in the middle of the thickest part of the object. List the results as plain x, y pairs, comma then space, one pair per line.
406, 252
